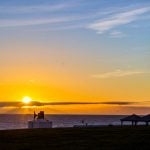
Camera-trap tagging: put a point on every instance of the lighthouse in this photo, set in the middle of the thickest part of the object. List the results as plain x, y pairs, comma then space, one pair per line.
39, 121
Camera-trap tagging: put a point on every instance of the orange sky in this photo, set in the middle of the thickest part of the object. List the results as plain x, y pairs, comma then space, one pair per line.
74, 54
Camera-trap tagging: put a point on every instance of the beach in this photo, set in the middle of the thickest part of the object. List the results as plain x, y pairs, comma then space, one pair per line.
101, 138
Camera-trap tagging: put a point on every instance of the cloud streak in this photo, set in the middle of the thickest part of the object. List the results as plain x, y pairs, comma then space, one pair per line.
118, 73
57, 13
119, 19
37, 103
33, 14
59, 20
29, 22
34, 8
117, 34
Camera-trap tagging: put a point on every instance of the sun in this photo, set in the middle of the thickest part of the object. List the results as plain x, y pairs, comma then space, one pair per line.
26, 100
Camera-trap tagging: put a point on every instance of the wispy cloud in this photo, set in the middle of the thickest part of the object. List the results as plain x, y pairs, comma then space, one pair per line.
38, 14
75, 12
117, 34
35, 8
119, 19
76, 21
29, 22
118, 73
118, 103
38, 103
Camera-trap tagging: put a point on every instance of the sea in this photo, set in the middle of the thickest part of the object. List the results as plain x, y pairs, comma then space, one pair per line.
20, 121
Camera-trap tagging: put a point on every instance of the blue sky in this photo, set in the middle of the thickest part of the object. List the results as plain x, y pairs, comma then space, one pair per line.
59, 15
114, 22
121, 27
101, 45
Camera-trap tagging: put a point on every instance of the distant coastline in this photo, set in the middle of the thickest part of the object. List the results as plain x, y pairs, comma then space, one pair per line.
17, 121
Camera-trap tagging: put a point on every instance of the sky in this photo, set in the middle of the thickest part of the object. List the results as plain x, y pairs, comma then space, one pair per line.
75, 57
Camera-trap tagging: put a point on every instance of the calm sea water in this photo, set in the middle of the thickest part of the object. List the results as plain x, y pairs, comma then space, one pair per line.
20, 121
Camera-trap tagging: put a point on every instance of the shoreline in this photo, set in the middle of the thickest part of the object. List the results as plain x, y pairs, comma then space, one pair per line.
82, 127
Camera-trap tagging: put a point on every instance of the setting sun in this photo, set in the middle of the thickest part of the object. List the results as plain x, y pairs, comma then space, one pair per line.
26, 99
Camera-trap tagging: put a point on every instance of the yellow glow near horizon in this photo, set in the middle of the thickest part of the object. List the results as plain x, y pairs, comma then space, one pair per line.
26, 100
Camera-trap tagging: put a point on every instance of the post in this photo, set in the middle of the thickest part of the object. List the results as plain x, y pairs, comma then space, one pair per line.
35, 115
132, 123
121, 123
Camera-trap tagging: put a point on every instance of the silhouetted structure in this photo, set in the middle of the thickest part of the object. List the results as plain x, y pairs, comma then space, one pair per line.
35, 115
146, 119
39, 121
40, 115
134, 119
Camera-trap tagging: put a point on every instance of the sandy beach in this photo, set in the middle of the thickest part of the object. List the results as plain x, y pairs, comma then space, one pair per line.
102, 138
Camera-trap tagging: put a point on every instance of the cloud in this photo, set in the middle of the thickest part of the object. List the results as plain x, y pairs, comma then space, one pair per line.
37, 103
29, 22
117, 34
119, 19
36, 17
56, 16
118, 73
72, 20
118, 103
34, 8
